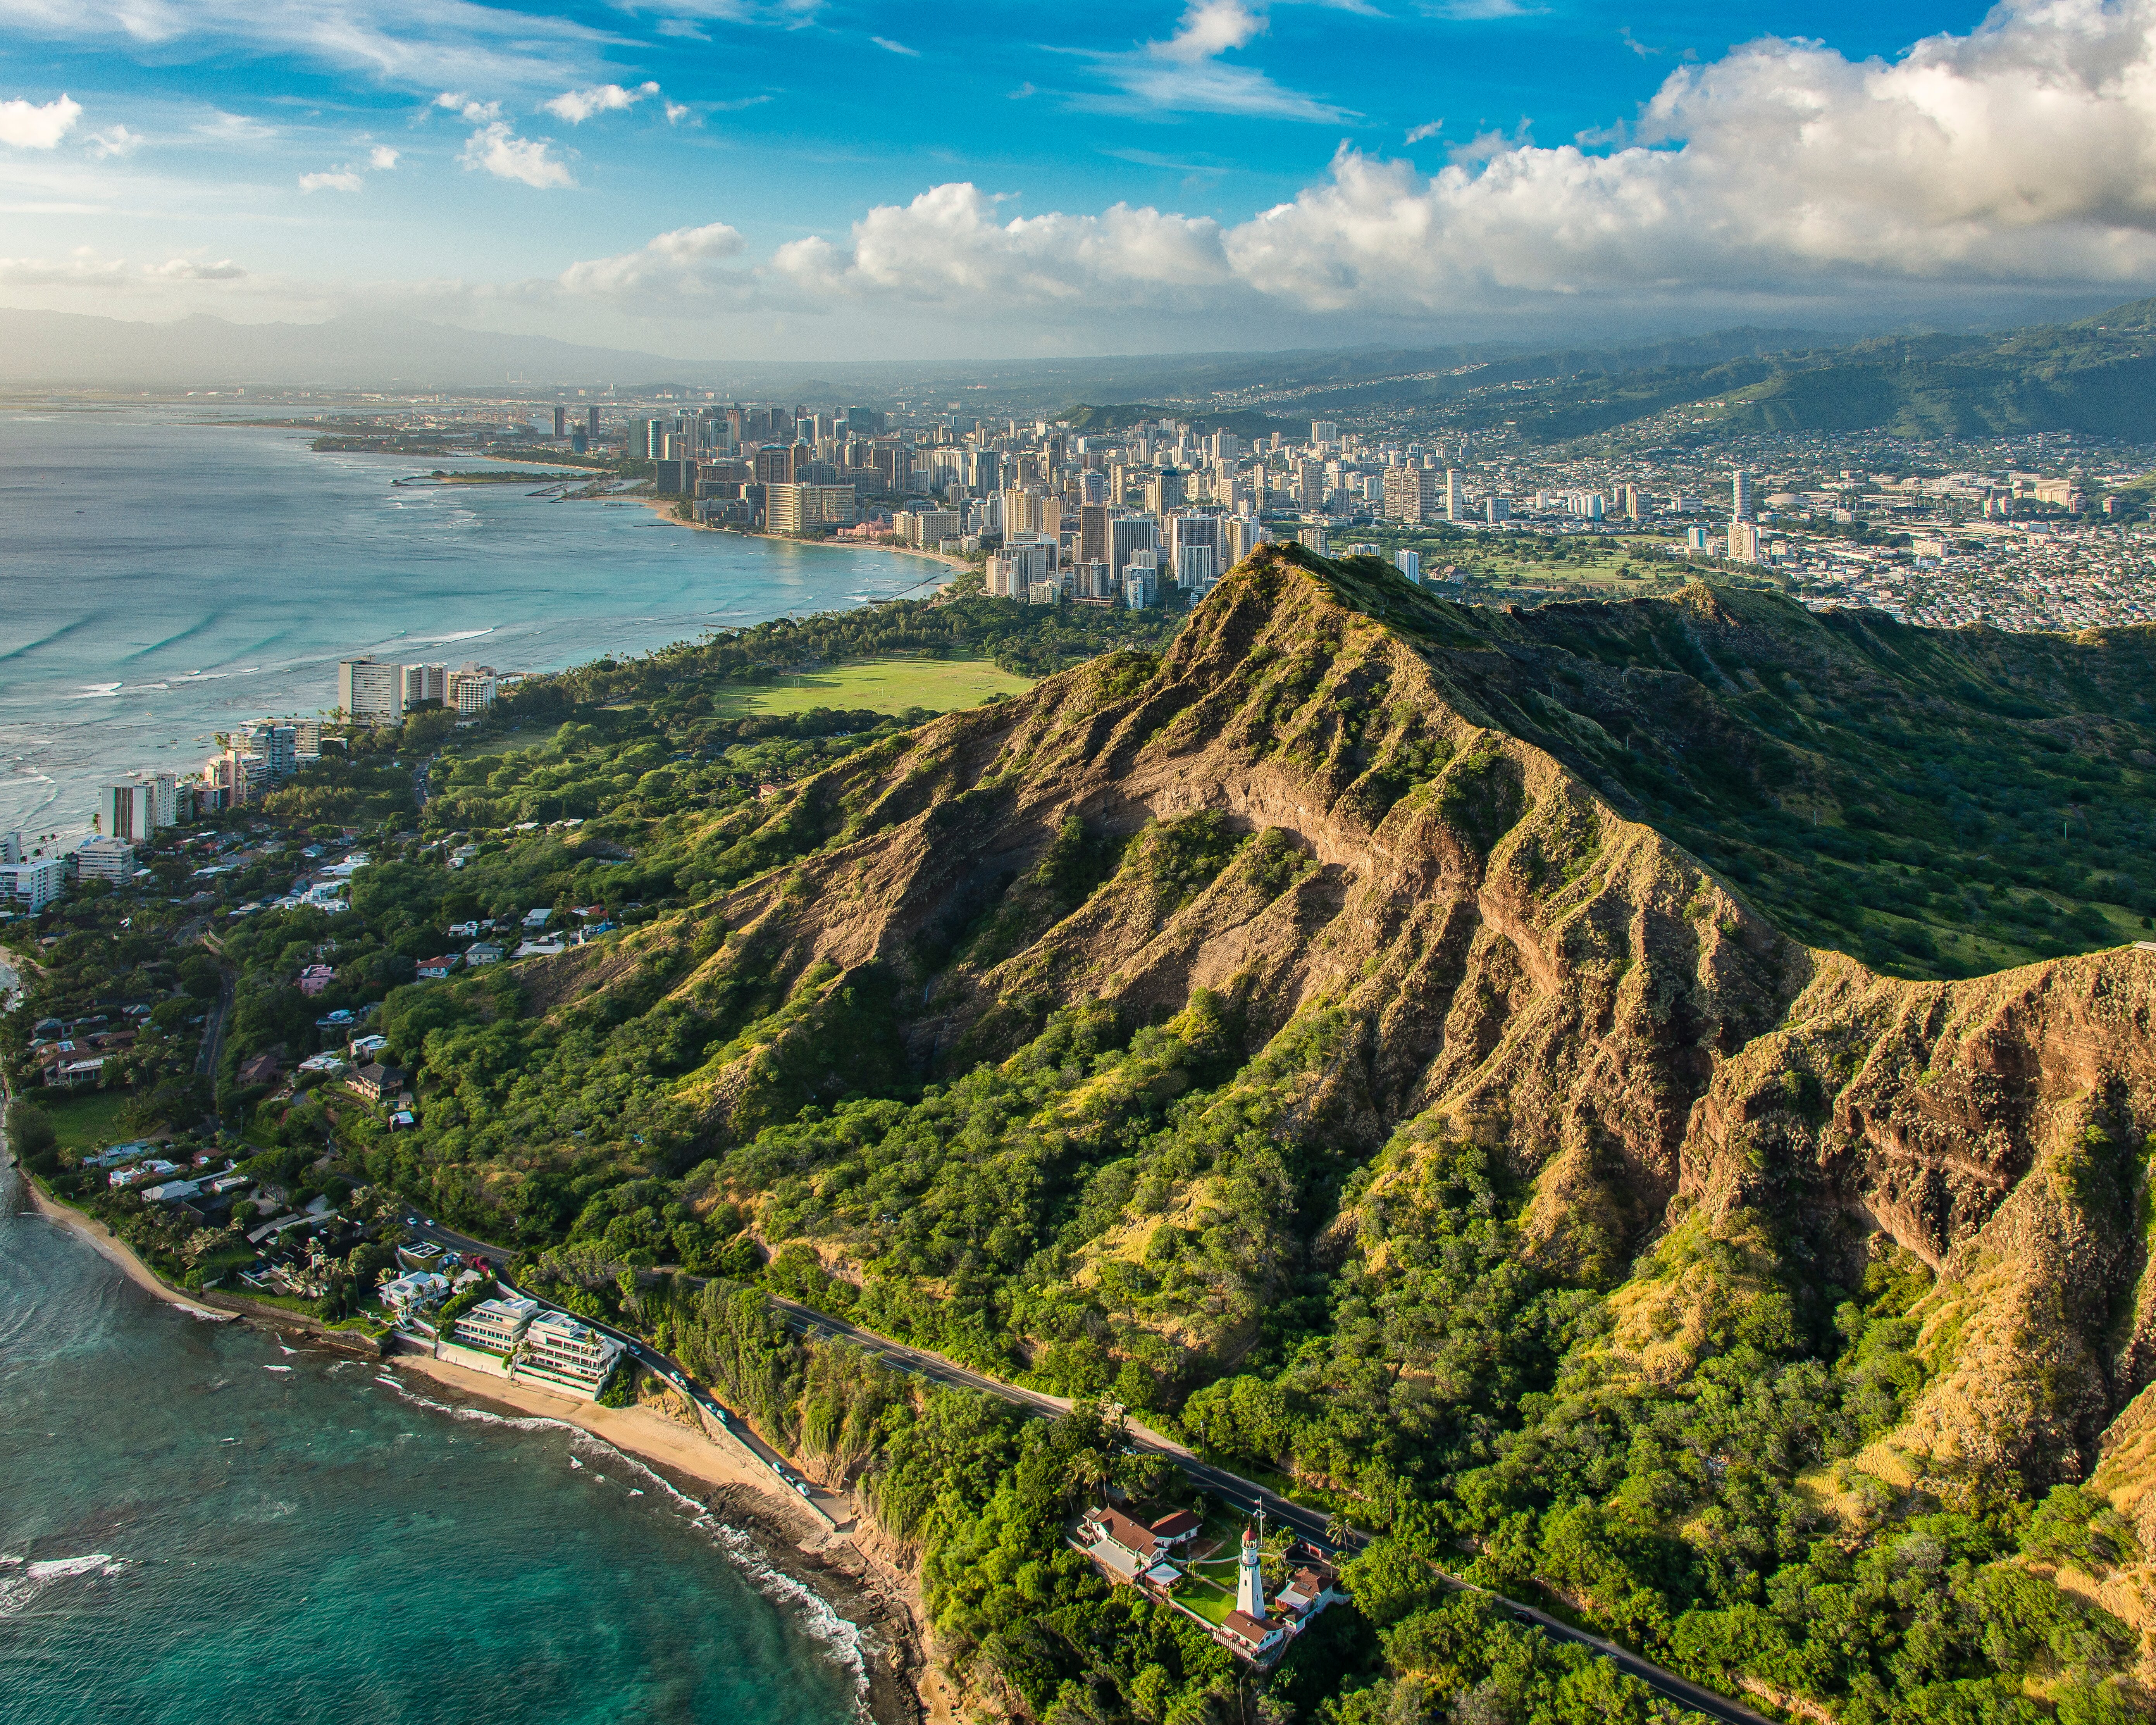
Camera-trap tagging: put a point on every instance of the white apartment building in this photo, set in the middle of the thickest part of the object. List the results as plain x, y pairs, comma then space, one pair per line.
371, 691
473, 688
560, 1351
32, 882
497, 1325
809, 509
105, 858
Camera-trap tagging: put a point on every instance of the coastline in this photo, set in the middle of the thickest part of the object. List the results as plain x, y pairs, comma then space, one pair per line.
903, 1687
663, 509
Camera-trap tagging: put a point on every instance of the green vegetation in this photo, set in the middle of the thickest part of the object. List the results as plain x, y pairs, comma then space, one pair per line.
893, 684
1043, 1104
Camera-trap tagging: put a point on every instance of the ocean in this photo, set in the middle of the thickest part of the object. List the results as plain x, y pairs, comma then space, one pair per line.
164, 576
201, 1523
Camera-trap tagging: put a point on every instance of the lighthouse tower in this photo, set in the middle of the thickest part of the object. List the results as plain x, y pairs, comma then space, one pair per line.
1249, 1583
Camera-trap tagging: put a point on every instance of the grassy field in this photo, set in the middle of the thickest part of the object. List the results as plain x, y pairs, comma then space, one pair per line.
536, 737
884, 685
1593, 565
86, 1119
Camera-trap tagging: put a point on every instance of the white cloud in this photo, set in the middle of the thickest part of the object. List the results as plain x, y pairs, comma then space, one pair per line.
1210, 28
890, 47
114, 141
675, 274
382, 157
83, 267
188, 270
578, 105
1183, 74
1428, 129
2020, 155
676, 112
465, 107
38, 126
336, 179
498, 149
233, 128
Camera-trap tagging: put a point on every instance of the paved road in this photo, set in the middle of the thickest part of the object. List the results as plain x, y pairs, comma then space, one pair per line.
1217, 1482
213, 1036
832, 1508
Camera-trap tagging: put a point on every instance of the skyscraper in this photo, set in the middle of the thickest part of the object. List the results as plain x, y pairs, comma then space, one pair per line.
1455, 495
561, 420
1740, 495
592, 424
371, 691
1092, 532
1411, 492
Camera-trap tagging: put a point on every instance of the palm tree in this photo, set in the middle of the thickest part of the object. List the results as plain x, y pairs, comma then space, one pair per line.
1337, 1531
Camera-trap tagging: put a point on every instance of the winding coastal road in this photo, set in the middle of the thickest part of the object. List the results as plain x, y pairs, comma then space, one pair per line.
1228, 1487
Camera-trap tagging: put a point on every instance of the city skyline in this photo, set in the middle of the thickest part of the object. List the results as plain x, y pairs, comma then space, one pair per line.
711, 180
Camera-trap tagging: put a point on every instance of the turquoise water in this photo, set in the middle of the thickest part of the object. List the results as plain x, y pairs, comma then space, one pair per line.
196, 1525
162, 579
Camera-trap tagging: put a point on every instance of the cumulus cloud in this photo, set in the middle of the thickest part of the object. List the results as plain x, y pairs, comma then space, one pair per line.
114, 140
1210, 28
497, 150
676, 112
38, 126
382, 157
677, 272
2022, 154
334, 179
467, 107
578, 105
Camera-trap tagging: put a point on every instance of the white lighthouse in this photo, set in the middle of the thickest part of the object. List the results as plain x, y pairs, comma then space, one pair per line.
1249, 1582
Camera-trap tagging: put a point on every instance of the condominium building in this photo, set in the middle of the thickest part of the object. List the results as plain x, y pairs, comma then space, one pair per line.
425, 683
32, 882
559, 1351
473, 688
497, 1325
128, 811
809, 509
930, 527
1128, 535
1740, 495
1410, 493
105, 858
1455, 495
371, 691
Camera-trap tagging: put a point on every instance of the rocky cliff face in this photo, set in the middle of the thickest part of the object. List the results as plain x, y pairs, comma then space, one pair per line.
1508, 959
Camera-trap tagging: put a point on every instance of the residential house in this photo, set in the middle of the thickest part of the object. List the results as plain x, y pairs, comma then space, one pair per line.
497, 1325
314, 979
437, 970
563, 1352
264, 1068
376, 1082
482, 952
415, 1291
1247, 1636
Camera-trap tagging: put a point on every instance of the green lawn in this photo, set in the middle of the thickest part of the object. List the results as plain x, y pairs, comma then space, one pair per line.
87, 1119
536, 736
882, 685
1206, 1600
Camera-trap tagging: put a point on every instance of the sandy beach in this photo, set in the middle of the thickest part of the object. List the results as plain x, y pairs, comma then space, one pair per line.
663, 507
109, 1246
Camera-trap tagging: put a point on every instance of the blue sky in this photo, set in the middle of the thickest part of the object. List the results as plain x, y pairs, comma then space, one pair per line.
713, 177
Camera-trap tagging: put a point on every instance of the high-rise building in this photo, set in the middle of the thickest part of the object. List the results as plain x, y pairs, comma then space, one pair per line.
1635, 504
1324, 431
1740, 495
424, 683
1743, 543
1192, 532
592, 424
106, 858
561, 420
128, 811
371, 691
1497, 509
1127, 535
1315, 539
1409, 563
1166, 489
809, 509
32, 882
1455, 495
1409, 493
1092, 532
472, 688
